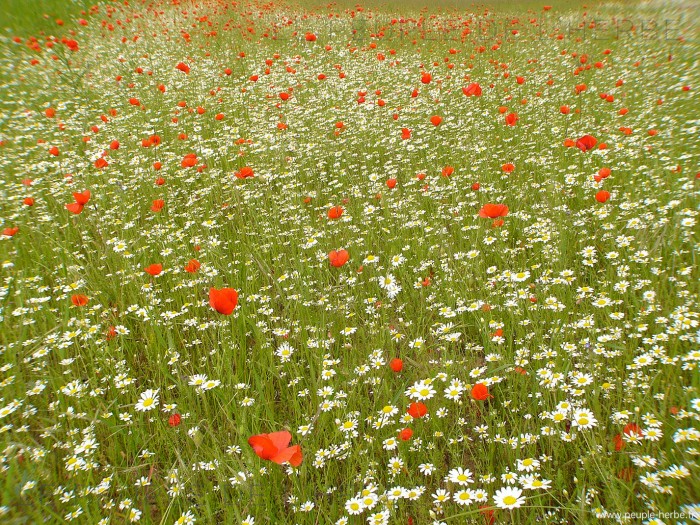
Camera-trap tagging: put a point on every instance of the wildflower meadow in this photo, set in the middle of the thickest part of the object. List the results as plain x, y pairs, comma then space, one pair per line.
332, 262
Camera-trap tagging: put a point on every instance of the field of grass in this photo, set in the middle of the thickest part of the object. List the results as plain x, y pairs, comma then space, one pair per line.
447, 256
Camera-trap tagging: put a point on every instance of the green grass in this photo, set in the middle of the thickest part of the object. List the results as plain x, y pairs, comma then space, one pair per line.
597, 302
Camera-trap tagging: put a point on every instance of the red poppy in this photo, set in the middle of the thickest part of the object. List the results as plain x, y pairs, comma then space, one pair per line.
417, 410
447, 171
487, 512
405, 133
472, 90
153, 269
396, 365
157, 205
405, 434
632, 428
183, 67
493, 211
82, 198
310, 37
586, 142
508, 168
174, 420
338, 258
511, 119
391, 183
564, 110
436, 120
275, 447
54, 151
189, 160
476, 186
426, 78
75, 208
224, 300
10, 232
28, 201
79, 299
245, 172
480, 392
602, 196
160, 181
192, 266
101, 163
335, 212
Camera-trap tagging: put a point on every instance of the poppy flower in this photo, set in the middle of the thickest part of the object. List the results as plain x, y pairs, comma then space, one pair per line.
602, 196
405, 434
586, 142
511, 119
101, 163
75, 208
174, 420
447, 171
426, 78
183, 67
338, 258
82, 198
493, 211
157, 205
54, 151
619, 442
405, 133
192, 266
189, 160
480, 392
476, 186
396, 365
391, 183
10, 232
28, 201
245, 172
508, 168
224, 300
565, 110
632, 428
335, 212
153, 269
310, 37
275, 447
436, 120
472, 90
79, 299
417, 409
